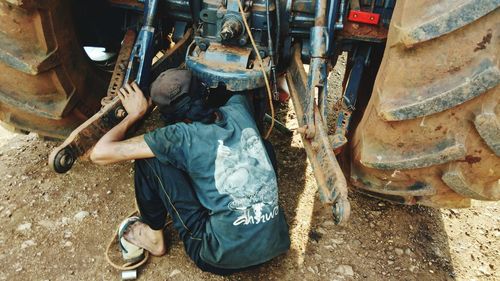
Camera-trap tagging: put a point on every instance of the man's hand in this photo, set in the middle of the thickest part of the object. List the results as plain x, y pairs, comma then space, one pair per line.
111, 147
134, 101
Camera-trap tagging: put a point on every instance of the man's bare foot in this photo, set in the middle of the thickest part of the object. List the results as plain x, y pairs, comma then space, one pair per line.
140, 234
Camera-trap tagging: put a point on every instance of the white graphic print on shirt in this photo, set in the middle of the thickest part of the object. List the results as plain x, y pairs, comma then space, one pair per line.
245, 173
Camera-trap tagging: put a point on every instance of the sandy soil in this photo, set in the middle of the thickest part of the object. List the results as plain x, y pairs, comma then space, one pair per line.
56, 227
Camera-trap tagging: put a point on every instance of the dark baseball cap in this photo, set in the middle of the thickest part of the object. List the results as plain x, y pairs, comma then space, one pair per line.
170, 86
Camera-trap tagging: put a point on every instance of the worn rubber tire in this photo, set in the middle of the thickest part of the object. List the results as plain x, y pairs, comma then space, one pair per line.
48, 85
431, 131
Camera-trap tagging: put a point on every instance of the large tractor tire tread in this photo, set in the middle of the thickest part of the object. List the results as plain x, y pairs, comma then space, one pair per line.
488, 127
457, 181
426, 21
48, 84
18, 55
447, 93
447, 151
430, 133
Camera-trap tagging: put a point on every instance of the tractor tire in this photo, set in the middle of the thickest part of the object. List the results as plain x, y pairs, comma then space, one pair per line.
430, 133
48, 85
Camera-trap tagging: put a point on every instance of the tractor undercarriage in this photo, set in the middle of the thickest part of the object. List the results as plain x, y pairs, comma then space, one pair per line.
429, 133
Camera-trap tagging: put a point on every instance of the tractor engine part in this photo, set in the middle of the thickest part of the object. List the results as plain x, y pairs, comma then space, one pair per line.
231, 29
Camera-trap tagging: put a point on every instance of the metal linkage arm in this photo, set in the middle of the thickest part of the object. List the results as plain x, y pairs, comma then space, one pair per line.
360, 61
83, 138
331, 182
317, 79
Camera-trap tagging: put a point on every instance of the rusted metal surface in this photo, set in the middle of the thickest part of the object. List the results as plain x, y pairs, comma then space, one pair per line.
228, 64
82, 139
120, 67
170, 58
87, 134
418, 140
238, 57
363, 32
316, 90
303, 6
320, 13
130, 4
331, 182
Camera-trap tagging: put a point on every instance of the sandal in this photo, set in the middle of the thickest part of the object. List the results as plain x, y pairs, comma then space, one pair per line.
130, 252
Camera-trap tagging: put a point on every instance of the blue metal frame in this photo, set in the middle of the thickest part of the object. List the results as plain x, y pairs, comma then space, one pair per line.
139, 66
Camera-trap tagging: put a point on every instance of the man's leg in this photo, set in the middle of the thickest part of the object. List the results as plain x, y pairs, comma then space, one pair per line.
162, 189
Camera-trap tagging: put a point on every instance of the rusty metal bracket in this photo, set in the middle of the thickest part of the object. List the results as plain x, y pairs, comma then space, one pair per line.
80, 141
331, 181
316, 80
83, 138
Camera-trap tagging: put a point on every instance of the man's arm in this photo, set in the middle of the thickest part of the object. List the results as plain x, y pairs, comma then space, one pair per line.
112, 147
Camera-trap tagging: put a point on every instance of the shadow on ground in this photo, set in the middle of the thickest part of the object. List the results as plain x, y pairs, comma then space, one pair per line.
43, 237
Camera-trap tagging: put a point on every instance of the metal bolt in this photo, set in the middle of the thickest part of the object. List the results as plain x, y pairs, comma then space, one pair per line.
242, 41
66, 160
231, 29
121, 113
262, 53
203, 46
106, 100
226, 33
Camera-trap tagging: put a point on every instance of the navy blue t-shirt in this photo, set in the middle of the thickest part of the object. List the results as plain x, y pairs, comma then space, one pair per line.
233, 178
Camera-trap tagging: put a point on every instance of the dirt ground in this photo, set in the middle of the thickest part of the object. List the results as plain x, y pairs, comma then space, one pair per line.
56, 227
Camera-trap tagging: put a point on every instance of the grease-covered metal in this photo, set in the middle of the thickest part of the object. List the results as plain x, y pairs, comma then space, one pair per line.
87, 134
331, 182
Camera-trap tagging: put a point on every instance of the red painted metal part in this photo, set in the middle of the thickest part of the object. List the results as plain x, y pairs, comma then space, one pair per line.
363, 32
364, 17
